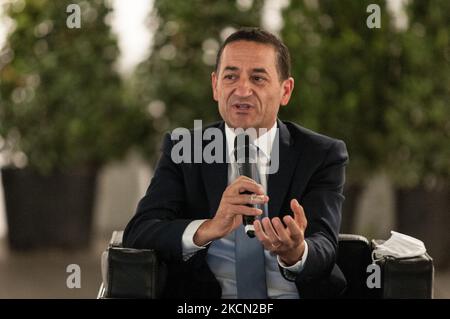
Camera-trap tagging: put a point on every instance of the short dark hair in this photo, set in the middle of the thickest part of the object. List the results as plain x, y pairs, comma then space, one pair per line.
261, 36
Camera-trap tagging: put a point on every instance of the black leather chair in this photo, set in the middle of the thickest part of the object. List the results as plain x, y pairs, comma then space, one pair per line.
400, 278
137, 273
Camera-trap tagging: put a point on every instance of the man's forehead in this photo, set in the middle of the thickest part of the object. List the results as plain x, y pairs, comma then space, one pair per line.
248, 54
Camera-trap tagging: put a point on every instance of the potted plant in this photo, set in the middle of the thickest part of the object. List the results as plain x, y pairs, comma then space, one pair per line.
63, 115
342, 69
419, 129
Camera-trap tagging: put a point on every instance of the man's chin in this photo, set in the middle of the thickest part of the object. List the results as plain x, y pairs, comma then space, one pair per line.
241, 123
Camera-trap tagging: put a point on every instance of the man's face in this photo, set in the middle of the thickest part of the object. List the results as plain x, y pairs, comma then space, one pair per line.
247, 86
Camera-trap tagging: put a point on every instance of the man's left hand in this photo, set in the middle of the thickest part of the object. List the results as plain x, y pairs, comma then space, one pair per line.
286, 242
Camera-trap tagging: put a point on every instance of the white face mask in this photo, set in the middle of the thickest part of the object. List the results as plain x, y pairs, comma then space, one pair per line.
399, 246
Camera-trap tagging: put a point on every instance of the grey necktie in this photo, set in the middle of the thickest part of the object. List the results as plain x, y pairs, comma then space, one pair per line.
250, 265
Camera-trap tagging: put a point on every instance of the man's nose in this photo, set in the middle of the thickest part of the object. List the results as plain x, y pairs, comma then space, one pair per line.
243, 88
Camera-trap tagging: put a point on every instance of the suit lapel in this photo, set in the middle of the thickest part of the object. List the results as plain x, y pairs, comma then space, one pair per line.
215, 177
278, 183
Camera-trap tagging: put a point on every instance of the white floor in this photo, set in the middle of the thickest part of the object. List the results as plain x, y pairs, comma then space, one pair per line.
43, 274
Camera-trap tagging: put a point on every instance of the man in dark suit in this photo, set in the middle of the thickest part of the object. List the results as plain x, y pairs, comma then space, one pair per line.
192, 212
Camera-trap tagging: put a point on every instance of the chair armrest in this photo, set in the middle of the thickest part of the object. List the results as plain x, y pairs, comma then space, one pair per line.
400, 278
406, 277
353, 257
131, 273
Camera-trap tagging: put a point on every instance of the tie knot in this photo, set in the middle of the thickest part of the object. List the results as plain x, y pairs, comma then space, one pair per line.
245, 151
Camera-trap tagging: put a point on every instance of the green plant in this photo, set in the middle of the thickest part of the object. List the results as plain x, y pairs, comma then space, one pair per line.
342, 70
419, 121
62, 104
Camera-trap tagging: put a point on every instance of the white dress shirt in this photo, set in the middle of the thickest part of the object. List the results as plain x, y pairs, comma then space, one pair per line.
220, 256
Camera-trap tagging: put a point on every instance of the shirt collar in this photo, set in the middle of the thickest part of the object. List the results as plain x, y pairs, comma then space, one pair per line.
263, 142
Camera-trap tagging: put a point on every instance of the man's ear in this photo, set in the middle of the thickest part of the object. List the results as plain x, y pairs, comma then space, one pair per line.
287, 88
214, 85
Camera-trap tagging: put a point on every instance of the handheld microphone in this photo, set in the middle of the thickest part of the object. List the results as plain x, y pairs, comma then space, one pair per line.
245, 155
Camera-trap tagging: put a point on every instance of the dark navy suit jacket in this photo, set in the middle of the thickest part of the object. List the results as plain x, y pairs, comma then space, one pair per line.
312, 170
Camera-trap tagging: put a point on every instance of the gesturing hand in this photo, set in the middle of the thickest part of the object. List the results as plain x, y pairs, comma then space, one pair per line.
287, 242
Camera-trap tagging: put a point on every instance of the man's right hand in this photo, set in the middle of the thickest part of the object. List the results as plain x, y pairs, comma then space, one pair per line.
231, 208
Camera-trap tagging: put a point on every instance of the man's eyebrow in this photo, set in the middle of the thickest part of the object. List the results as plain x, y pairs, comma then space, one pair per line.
231, 68
260, 70
254, 70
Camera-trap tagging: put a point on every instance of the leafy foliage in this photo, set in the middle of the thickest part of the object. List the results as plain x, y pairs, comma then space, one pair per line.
419, 121
342, 69
62, 104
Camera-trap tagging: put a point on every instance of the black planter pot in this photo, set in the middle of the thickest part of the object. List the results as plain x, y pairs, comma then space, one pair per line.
426, 215
49, 211
352, 193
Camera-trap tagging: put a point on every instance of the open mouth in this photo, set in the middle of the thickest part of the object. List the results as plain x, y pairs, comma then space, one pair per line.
242, 106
